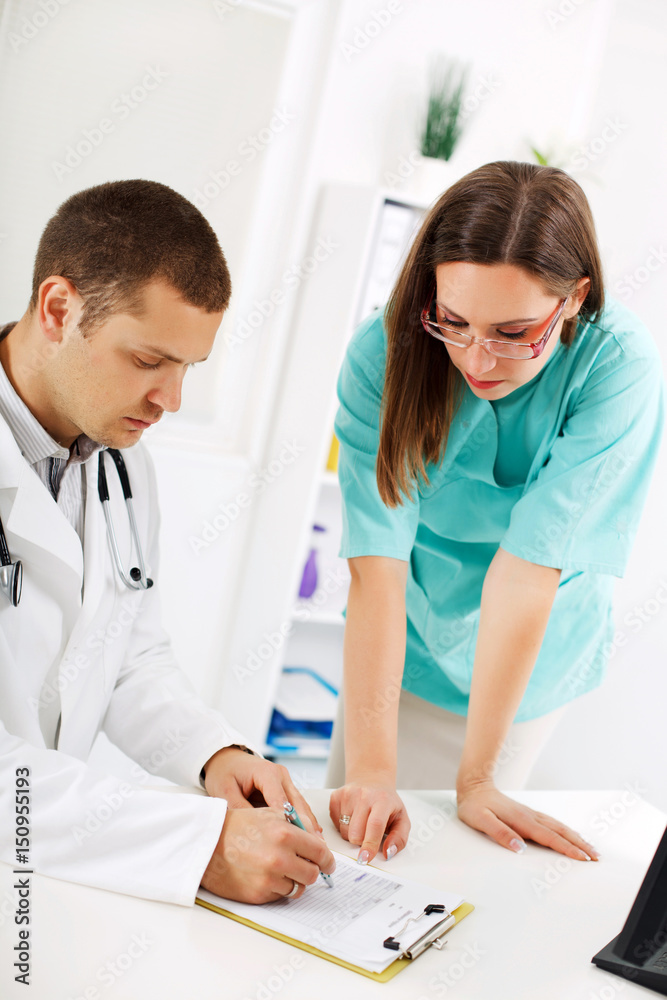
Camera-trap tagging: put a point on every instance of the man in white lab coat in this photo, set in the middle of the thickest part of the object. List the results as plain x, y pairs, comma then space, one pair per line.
129, 289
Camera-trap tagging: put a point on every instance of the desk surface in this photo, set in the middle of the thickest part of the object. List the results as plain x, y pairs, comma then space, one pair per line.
539, 919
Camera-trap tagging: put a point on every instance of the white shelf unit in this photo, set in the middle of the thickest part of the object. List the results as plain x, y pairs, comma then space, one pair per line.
371, 231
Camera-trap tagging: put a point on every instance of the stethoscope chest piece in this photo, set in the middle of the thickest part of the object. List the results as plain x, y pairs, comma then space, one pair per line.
137, 579
11, 581
11, 573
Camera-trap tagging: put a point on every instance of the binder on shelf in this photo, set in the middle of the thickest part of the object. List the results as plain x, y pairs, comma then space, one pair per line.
304, 712
332, 460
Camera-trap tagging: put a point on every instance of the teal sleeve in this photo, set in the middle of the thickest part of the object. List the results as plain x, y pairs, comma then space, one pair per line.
582, 510
369, 527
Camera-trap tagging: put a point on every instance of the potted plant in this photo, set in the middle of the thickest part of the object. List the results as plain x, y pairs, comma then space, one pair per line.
441, 130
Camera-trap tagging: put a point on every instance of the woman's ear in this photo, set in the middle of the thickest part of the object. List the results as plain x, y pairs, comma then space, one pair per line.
577, 298
583, 288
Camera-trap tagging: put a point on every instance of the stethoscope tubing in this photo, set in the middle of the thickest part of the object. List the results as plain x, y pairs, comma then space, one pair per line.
11, 574
137, 580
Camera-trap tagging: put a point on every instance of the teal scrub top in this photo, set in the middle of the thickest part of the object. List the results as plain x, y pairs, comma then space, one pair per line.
556, 473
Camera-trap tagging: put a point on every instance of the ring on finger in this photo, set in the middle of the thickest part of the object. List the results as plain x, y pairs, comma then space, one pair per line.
293, 891
345, 820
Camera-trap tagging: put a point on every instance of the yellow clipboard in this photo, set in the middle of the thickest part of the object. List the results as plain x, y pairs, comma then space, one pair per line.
380, 977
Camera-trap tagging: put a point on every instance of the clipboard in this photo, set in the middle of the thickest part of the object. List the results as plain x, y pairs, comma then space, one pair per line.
435, 937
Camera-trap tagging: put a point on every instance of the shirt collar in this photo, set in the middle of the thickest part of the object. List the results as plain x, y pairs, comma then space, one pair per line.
33, 440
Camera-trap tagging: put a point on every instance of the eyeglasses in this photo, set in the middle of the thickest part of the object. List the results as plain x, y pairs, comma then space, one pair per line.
518, 350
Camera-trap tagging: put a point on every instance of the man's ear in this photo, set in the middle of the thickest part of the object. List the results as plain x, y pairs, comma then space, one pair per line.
59, 307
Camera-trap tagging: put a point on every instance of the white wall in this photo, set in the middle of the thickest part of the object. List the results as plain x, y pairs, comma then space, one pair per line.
540, 76
219, 89
555, 80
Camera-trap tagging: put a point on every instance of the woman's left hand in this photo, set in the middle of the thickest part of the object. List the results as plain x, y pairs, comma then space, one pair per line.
509, 823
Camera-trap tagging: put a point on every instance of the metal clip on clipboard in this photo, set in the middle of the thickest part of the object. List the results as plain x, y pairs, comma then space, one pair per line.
433, 937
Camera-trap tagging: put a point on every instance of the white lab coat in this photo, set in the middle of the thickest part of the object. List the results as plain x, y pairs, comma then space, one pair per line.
117, 674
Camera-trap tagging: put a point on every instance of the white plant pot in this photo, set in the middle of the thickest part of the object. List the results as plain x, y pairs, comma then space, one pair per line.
431, 177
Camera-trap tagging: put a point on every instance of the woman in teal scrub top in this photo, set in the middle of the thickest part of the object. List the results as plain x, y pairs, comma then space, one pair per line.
498, 424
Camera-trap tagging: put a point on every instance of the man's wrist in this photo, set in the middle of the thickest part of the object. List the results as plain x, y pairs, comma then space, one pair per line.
231, 746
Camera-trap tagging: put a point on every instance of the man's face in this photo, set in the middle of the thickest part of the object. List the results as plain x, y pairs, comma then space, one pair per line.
120, 379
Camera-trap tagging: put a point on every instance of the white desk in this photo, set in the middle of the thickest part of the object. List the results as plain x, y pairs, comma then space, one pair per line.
539, 919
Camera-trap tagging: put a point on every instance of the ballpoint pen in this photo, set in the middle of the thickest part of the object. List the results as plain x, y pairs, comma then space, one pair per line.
292, 816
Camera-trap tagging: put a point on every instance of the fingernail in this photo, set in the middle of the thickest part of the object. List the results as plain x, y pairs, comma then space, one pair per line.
320, 833
363, 858
391, 851
517, 845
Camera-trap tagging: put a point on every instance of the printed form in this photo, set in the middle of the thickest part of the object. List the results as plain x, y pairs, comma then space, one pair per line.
352, 919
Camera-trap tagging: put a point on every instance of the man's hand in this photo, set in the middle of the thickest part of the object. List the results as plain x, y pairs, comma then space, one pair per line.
260, 856
246, 781
507, 822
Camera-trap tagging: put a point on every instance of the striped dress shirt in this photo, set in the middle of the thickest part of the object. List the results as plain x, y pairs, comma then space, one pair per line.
60, 469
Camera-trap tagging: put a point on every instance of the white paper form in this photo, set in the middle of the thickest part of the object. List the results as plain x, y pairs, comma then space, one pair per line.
352, 919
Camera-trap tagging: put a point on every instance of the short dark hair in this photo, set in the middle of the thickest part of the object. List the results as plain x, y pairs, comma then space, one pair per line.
112, 239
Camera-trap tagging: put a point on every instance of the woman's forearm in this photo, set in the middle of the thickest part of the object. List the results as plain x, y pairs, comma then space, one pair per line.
517, 598
374, 655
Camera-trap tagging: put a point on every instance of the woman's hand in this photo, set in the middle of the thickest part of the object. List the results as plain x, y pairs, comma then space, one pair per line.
375, 809
509, 823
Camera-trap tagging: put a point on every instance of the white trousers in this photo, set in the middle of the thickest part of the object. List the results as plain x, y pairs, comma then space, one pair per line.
430, 742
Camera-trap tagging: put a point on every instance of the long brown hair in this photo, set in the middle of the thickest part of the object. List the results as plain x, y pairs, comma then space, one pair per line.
536, 218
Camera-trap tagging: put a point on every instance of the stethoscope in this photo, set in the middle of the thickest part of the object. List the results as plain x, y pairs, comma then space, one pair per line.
11, 573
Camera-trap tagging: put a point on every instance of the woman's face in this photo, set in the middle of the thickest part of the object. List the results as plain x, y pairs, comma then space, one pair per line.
483, 300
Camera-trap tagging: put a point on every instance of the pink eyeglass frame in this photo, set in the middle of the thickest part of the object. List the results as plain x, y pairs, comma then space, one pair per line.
537, 347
